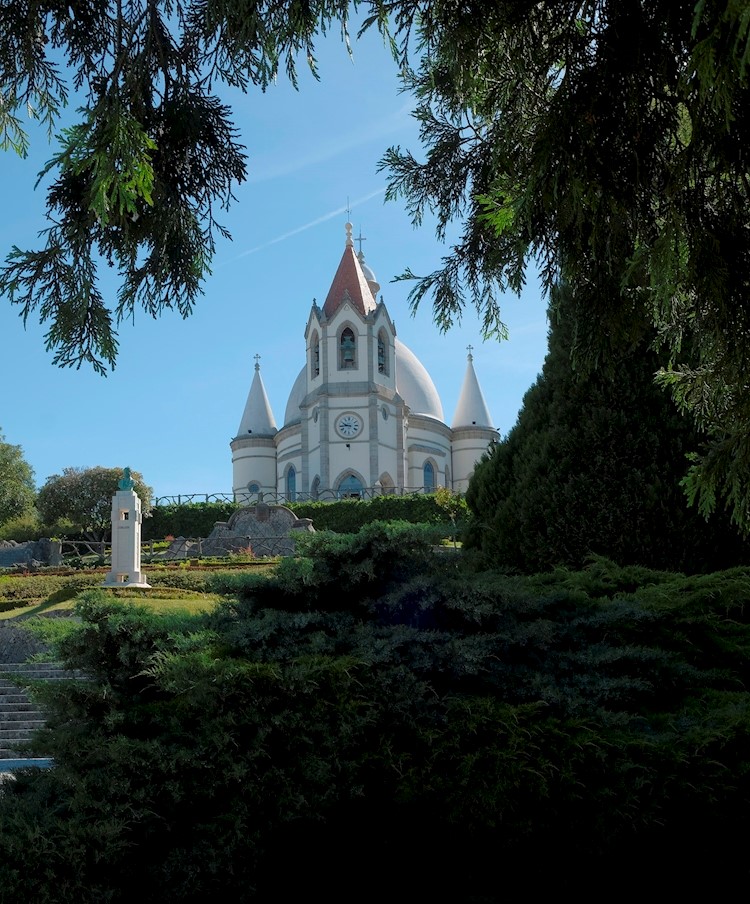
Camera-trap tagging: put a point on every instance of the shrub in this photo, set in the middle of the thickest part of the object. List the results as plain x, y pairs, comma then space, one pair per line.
344, 516
195, 519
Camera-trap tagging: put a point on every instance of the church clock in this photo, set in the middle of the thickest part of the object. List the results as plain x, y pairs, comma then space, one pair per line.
348, 425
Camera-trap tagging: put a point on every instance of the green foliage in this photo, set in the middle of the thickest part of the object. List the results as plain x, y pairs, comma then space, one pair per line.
604, 143
20, 589
375, 698
84, 497
23, 527
594, 465
17, 489
138, 180
30, 527
195, 519
349, 515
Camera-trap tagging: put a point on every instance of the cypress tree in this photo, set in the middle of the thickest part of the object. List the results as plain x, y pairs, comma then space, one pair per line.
593, 466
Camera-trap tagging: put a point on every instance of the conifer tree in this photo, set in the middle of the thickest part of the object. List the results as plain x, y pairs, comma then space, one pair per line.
594, 465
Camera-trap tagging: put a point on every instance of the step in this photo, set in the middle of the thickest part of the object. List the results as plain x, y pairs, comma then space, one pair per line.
30, 666
20, 734
10, 700
20, 720
9, 674
18, 712
36, 674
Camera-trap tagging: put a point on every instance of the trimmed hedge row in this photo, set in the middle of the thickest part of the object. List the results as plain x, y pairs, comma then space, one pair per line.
197, 519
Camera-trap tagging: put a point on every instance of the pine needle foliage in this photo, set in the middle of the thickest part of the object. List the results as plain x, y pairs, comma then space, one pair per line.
446, 724
139, 181
604, 144
596, 465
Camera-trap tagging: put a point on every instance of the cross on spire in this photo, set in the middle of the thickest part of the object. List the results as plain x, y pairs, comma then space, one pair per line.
257, 362
360, 238
469, 349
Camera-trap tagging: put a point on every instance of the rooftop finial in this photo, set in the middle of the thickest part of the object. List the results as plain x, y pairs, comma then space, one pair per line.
349, 240
257, 362
469, 349
360, 238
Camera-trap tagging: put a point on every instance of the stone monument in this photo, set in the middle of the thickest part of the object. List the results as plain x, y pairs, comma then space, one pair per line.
126, 537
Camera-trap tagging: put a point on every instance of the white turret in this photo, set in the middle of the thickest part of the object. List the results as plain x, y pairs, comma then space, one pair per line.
472, 428
471, 410
257, 417
254, 449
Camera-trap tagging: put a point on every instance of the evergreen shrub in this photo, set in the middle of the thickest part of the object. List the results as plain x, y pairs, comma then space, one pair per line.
372, 698
594, 466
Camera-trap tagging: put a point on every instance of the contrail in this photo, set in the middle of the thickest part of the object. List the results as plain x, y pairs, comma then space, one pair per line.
326, 216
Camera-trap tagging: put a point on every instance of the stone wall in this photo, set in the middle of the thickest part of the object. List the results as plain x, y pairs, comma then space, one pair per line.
266, 530
31, 553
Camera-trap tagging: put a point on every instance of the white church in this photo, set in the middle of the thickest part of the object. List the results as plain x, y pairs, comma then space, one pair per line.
363, 416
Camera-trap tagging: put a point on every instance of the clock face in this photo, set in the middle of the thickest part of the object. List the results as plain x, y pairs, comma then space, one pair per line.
348, 425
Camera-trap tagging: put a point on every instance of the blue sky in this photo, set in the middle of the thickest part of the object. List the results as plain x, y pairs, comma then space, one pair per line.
174, 401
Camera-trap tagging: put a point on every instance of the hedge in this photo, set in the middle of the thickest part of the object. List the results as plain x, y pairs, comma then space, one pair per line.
346, 516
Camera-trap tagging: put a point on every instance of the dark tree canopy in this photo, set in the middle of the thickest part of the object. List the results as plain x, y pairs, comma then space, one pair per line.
138, 180
593, 466
606, 142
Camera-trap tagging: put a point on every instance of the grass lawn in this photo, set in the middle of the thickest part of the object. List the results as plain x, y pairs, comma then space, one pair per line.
166, 600
40, 594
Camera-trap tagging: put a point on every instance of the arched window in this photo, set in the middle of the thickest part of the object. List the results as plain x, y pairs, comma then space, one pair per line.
351, 488
347, 350
315, 356
291, 484
382, 353
429, 477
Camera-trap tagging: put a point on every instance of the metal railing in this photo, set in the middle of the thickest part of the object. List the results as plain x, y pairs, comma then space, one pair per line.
155, 551
297, 496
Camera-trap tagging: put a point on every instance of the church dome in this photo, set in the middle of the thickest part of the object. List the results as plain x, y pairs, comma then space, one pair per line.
296, 397
413, 384
372, 281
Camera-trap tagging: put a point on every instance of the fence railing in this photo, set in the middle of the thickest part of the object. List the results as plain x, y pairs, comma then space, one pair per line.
283, 498
185, 548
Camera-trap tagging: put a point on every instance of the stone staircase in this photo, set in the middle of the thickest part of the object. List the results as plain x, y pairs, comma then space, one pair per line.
19, 716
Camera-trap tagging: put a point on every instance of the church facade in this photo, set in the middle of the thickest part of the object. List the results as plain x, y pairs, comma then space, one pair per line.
363, 416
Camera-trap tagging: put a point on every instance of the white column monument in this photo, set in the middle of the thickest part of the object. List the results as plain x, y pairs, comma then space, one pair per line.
126, 537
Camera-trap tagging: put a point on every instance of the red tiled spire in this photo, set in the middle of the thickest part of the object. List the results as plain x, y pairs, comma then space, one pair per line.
349, 283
